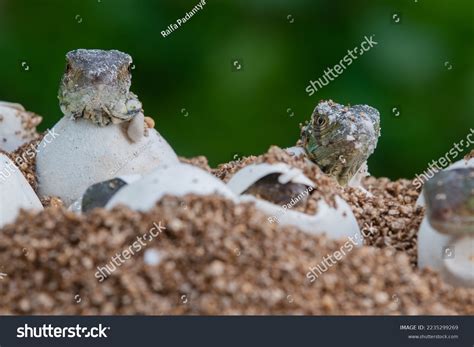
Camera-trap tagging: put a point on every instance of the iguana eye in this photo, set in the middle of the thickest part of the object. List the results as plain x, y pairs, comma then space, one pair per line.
321, 121
68, 67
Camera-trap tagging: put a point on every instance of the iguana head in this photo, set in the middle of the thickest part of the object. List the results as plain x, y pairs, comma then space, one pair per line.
339, 139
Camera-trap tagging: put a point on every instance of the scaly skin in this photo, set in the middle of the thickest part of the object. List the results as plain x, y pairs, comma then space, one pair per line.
96, 86
449, 199
340, 139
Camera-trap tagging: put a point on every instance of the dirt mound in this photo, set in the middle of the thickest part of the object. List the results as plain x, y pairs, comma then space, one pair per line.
212, 257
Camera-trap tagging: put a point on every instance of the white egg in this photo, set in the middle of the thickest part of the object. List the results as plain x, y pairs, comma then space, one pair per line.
82, 153
15, 192
17, 126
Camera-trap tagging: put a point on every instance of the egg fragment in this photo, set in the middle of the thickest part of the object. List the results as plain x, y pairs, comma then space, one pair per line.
337, 222
83, 153
15, 192
17, 126
176, 180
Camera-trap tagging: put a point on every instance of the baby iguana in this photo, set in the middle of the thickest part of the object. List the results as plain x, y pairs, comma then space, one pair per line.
340, 139
96, 86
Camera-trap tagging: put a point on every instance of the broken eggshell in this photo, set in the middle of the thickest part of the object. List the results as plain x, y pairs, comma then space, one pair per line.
83, 154
15, 192
176, 180
17, 126
247, 176
337, 222
99, 194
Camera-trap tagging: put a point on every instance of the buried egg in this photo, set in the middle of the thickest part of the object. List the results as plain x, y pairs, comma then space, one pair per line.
17, 126
176, 180
15, 192
446, 234
99, 194
277, 188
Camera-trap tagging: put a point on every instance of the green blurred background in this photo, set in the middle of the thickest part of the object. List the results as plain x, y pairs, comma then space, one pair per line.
422, 66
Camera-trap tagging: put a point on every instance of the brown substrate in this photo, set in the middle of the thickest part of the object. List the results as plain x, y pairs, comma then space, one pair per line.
200, 161
388, 218
52, 201
25, 159
217, 258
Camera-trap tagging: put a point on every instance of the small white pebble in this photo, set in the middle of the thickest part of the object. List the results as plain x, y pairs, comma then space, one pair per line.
152, 257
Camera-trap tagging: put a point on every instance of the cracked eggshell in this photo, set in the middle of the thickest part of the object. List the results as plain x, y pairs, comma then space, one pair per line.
337, 222
250, 174
83, 153
15, 192
177, 180
17, 126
